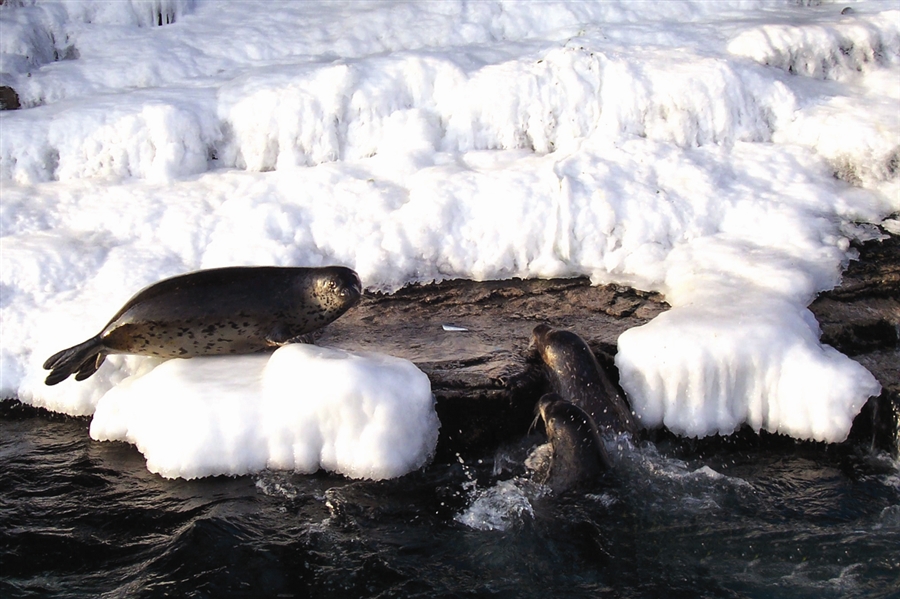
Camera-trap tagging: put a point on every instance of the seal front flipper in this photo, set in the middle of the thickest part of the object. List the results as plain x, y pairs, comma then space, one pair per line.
82, 360
281, 336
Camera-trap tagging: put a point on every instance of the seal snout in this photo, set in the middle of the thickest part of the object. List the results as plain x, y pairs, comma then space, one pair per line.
541, 409
539, 335
341, 283
537, 345
350, 286
353, 285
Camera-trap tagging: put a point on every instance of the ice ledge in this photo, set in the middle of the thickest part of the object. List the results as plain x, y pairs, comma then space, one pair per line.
769, 371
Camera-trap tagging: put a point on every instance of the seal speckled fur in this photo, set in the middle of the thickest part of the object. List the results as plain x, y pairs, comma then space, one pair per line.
234, 310
577, 455
577, 377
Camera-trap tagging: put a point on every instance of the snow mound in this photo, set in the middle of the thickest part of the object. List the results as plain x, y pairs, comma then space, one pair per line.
769, 356
301, 408
839, 50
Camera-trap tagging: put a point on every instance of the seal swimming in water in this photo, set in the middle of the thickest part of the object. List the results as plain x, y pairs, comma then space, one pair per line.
577, 455
577, 377
233, 310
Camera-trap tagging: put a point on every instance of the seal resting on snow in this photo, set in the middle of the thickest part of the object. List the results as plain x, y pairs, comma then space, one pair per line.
577, 377
575, 454
234, 310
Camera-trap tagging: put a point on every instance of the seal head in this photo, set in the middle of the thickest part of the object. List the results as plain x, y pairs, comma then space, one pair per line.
577, 377
577, 455
221, 311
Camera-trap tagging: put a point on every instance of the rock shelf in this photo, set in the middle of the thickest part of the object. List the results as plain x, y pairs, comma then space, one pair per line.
472, 340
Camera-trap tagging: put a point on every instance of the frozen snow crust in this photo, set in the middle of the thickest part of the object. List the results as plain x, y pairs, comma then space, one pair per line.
722, 153
302, 408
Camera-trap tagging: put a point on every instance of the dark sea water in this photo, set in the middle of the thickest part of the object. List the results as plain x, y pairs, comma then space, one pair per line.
80, 518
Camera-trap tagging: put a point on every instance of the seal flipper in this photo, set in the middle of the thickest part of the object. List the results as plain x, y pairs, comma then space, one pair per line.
281, 336
82, 360
90, 366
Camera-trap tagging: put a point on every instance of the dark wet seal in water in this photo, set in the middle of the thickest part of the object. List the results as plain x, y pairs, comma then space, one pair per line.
221, 311
576, 457
577, 377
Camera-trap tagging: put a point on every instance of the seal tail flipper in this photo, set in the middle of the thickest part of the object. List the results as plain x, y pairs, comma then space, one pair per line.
82, 360
90, 366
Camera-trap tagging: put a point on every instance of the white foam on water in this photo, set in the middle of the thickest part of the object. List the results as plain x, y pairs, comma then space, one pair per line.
504, 506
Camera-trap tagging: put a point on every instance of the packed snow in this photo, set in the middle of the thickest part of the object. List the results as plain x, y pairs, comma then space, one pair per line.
301, 408
722, 153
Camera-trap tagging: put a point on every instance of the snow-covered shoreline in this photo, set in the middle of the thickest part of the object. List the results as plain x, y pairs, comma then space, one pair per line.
723, 154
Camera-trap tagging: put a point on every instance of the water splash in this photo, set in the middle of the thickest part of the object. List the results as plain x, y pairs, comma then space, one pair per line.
504, 506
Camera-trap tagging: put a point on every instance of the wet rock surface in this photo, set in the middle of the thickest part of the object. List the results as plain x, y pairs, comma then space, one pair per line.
9, 99
861, 318
472, 340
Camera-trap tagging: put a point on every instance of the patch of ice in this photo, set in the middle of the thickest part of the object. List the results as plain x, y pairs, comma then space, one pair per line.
301, 408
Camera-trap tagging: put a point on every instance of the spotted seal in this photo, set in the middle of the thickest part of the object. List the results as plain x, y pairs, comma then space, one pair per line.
577, 455
577, 377
233, 310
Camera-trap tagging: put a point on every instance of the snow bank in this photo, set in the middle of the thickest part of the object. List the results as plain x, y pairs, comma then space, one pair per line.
838, 50
712, 151
301, 408
689, 364
860, 49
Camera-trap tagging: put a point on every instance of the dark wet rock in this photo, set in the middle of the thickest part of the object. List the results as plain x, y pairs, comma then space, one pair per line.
9, 99
486, 385
484, 382
861, 318
876, 274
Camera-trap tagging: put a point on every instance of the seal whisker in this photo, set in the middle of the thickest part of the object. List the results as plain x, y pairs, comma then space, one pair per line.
534, 422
